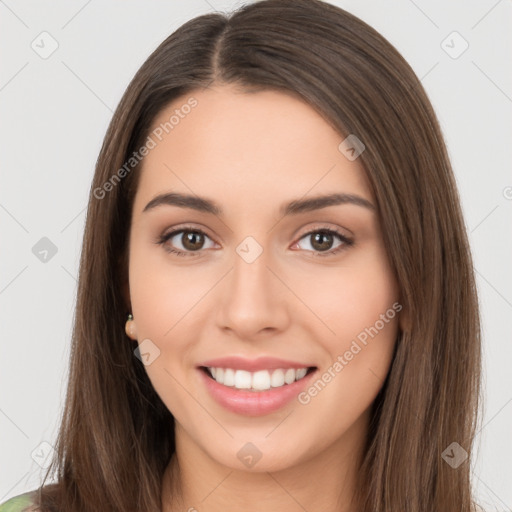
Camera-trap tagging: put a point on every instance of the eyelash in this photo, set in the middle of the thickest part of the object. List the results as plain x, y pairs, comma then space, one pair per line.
346, 242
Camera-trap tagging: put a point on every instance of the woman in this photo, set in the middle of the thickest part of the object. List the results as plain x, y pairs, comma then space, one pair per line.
275, 287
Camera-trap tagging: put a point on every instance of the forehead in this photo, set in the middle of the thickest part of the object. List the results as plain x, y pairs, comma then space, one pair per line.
246, 148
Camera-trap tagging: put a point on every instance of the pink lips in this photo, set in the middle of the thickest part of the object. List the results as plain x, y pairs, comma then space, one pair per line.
253, 403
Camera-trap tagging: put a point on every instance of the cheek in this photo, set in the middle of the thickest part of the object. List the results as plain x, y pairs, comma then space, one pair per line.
350, 298
164, 293
162, 300
165, 301
363, 312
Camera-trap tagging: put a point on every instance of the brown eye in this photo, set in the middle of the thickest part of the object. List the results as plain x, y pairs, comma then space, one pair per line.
322, 242
192, 240
185, 242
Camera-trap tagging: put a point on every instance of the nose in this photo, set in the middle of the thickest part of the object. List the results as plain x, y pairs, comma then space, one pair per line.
253, 299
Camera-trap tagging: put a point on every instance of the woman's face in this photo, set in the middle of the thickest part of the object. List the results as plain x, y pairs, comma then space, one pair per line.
268, 275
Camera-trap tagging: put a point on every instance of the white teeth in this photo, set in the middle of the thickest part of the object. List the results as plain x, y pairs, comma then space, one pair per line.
301, 372
229, 377
289, 376
261, 380
277, 379
256, 381
242, 379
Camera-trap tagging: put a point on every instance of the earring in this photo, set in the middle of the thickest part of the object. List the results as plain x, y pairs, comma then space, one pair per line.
130, 327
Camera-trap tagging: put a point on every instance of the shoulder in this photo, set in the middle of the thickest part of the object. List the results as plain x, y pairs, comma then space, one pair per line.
21, 503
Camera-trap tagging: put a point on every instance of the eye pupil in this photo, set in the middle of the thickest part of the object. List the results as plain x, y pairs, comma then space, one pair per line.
190, 240
318, 246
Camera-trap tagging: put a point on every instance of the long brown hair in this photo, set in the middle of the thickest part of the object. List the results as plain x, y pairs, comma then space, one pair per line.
116, 435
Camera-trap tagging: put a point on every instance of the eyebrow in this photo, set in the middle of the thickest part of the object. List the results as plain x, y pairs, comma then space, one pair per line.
202, 204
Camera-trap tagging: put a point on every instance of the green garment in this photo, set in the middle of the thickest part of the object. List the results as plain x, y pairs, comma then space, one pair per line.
18, 503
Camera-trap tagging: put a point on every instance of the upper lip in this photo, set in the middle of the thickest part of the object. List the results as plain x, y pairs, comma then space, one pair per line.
253, 365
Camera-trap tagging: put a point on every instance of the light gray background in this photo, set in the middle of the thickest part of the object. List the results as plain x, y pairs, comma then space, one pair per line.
54, 113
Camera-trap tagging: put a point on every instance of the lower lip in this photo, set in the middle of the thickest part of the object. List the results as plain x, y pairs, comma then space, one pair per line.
254, 403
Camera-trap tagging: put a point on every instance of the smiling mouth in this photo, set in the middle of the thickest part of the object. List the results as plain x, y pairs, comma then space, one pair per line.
261, 380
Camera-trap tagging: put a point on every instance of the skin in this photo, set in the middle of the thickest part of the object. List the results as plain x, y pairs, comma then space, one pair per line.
250, 153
